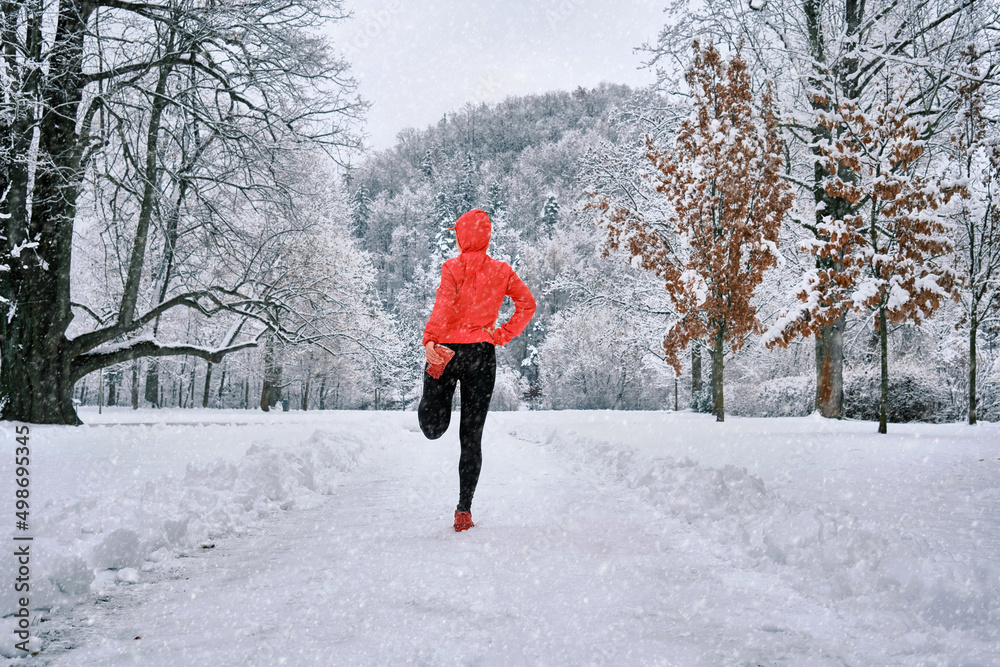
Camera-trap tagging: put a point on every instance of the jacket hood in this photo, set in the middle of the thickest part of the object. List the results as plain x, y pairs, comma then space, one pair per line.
473, 231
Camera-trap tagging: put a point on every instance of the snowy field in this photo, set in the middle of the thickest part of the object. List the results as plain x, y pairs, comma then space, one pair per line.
199, 537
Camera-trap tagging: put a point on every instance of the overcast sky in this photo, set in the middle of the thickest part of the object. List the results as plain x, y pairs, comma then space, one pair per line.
415, 60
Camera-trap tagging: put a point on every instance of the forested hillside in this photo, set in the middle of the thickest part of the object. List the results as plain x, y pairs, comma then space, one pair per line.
521, 161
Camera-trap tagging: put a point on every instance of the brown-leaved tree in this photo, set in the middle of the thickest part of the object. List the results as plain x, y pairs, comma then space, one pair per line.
881, 255
725, 202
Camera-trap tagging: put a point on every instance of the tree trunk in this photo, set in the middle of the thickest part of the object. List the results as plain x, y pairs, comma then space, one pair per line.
36, 384
272, 377
135, 384
883, 403
153, 383
194, 369
265, 396
34, 372
322, 393
718, 395
973, 330
696, 381
208, 385
113, 388
305, 394
830, 341
830, 370
222, 383
179, 384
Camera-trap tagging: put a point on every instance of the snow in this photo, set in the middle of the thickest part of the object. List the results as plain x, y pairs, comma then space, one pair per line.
15, 251
180, 537
696, 285
867, 289
898, 296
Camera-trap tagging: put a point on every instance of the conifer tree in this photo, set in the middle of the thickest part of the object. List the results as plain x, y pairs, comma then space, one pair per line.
495, 203
467, 195
445, 218
361, 211
550, 213
427, 165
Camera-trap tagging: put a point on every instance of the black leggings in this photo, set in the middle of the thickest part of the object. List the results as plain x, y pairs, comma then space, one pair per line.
474, 366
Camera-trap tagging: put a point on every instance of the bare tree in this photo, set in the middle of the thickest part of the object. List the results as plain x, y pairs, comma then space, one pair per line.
977, 256
256, 77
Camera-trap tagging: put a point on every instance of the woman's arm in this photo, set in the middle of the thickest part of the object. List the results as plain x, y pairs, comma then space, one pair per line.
444, 306
524, 310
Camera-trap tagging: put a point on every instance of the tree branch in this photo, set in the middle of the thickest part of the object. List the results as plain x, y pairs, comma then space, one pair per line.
145, 347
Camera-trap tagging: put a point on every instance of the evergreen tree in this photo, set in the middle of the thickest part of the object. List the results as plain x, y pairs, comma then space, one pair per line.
361, 211
444, 216
550, 214
427, 165
467, 187
494, 199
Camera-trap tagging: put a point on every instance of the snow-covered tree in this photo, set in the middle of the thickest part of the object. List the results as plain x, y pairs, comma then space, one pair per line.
495, 203
885, 250
722, 182
550, 213
444, 217
78, 86
977, 252
427, 165
361, 211
822, 52
592, 358
468, 188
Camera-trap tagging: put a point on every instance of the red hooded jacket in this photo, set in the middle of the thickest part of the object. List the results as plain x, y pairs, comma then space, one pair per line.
472, 289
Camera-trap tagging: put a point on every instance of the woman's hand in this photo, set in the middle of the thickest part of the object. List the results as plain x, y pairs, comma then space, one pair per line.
433, 356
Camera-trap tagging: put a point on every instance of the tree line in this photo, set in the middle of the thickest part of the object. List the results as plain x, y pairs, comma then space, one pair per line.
187, 221
888, 139
164, 190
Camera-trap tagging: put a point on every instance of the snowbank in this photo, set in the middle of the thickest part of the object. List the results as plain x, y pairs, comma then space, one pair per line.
139, 526
820, 549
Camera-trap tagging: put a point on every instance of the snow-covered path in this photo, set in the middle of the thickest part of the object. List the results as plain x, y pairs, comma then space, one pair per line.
561, 569
596, 543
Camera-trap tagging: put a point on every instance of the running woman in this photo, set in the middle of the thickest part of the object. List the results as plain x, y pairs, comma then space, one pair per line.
473, 287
